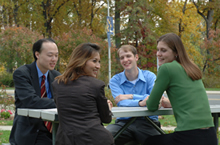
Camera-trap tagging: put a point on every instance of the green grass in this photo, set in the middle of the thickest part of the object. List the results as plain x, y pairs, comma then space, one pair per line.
212, 89
208, 89
4, 136
167, 120
4, 122
112, 122
8, 88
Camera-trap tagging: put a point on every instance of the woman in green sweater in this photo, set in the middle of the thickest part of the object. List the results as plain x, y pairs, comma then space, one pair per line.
181, 79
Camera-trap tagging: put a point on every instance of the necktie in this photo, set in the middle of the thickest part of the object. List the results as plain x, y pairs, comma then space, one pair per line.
44, 94
43, 91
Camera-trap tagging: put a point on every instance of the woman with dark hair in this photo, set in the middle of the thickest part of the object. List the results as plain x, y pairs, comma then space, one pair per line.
181, 79
81, 102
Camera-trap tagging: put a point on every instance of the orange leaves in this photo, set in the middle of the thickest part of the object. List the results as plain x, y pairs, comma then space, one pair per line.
16, 46
211, 51
68, 41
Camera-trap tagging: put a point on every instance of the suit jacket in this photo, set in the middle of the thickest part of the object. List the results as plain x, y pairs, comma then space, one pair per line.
27, 95
82, 107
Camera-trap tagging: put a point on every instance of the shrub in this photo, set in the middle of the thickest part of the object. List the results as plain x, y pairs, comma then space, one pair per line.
67, 42
6, 101
210, 81
6, 79
16, 46
5, 114
108, 95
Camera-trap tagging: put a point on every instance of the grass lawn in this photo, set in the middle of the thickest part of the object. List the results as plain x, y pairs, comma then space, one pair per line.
212, 89
208, 89
166, 120
8, 122
4, 136
8, 88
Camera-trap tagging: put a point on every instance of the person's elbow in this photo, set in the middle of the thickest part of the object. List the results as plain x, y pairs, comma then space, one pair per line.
152, 108
106, 120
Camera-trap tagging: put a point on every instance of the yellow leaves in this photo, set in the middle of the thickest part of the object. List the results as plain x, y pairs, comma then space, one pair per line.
2, 68
7, 3
182, 18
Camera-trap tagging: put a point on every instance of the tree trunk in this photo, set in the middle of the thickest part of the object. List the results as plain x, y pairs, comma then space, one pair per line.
16, 12
117, 25
5, 21
181, 28
208, 19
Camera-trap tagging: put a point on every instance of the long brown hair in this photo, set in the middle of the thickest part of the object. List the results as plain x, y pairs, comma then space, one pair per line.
175, 43
80, 55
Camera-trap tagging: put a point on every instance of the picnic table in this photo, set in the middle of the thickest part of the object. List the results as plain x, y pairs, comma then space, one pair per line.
134, 112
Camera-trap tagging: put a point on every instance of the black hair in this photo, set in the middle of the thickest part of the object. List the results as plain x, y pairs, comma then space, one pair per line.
38, 45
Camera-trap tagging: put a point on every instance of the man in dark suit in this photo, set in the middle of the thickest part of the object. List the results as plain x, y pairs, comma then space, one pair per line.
27, 80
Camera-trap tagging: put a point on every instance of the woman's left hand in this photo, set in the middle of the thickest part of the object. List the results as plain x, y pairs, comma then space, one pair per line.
143, 102
110, 105
165, 102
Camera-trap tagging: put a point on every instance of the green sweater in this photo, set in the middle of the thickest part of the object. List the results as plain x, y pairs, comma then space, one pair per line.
188, 98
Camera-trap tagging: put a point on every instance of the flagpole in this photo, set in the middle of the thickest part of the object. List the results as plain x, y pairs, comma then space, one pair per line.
109, 51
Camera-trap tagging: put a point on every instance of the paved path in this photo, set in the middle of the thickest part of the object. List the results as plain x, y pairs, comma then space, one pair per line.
5, 127
11, 92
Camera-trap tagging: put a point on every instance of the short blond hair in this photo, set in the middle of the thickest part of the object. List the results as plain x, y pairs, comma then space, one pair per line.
127, 48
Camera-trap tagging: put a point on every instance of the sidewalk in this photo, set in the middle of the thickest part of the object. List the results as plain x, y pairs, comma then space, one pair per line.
5, 127
11, 92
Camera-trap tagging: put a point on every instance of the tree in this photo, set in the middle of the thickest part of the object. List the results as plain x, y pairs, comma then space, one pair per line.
89, 14
16, 46
206, 10
117, 24
53, 17
7, 15
67, 42
213, 58
136, 29
216, 16
183, 21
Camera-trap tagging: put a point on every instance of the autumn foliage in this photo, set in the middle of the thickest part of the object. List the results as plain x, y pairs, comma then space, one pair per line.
139, 23
16, 46
67, 42
211, 53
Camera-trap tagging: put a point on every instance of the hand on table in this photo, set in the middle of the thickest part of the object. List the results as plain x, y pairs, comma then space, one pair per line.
110, 105
143, 102
165, 102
